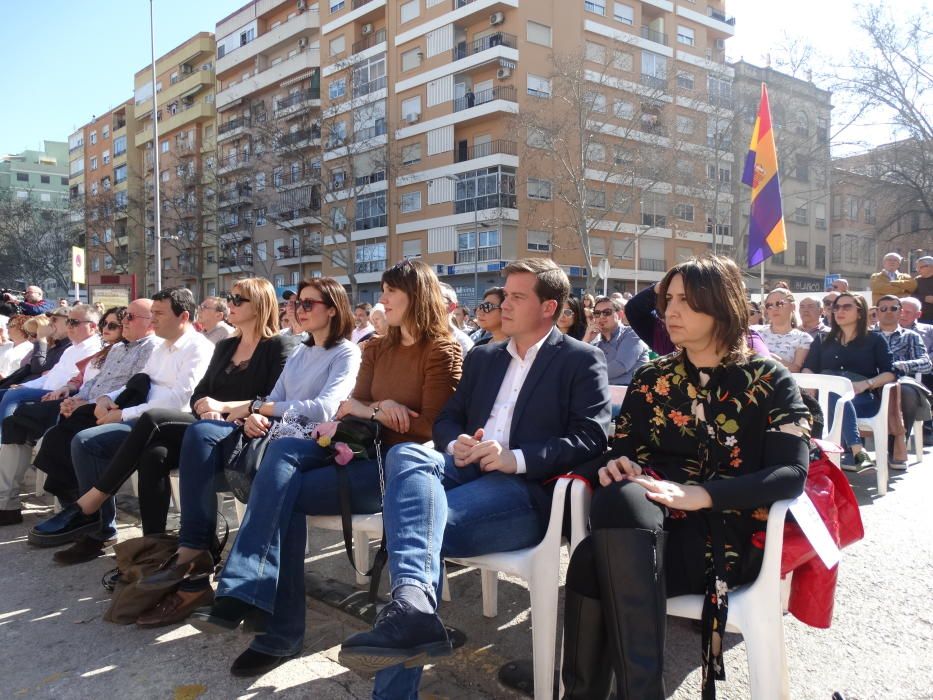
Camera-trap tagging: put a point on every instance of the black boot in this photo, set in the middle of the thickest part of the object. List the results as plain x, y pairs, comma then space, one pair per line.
630, 568
587, 668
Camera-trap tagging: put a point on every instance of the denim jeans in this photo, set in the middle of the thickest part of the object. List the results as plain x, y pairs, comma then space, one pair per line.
91, 452
200, 471
266, 564
14, 397
434, 509
864, 405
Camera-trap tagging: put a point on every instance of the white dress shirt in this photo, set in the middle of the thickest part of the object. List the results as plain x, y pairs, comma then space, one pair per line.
174, 371
359, 333
11, 360
67, 366
499, 424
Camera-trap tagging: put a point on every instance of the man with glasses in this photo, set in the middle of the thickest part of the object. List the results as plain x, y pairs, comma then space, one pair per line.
624, 350
890, 280
123, 360
828, 300
810, 320
212, 315
910, 358
450, 297
840, 285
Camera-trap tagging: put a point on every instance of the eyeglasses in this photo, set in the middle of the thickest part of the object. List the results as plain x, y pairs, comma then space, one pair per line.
885, 309
753, 311
208, 307
236, 299
487, 307
843, 307
308, 304
772, 304
827, 302
111, 326
567, 312
73, 322
605, 313
132, 317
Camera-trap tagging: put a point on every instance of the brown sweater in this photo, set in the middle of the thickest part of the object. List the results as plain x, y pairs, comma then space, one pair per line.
421, 376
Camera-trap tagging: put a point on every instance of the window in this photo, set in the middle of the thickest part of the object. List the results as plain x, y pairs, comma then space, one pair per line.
45, 179
538, 86
819, 215
801, 250
837, 206
718, 134
801, 215
370, 211
410, 201
598, 247
93, 137
22, 194
685, 125
539, 189
868, 251
337, 88
260, 181
338, 45
119, 145
653, 210
370, 257
869, 211
802, 171
411, 154
262, 250
597, 7
164, 175
820, 255
261, 216
595, 52
623, 13
538, 33
539, 241
164, 146
720, 91
822, 130
624, 248
622, 60
119, 173
45, 197
683, 211
411, 59
851, 249
836, 243
596, 152
93, 162
851, 208
595, 101
105, 132
411, 106
596, 199
685, 80
22, 177
654, 65
537, 137
95, 264
335, 6
623, 109
685, 36
409, 10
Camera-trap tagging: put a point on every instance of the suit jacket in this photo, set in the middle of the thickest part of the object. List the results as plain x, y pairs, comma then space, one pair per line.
562, 414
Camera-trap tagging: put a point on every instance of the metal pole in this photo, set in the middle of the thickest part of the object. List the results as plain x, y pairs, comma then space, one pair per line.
637, 240
475, 254
156, 175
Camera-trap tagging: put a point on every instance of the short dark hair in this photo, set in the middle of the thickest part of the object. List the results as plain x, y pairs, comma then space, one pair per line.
367, 307
617, 305
181, 299
892, 297
552, 282
335, 296
497, 292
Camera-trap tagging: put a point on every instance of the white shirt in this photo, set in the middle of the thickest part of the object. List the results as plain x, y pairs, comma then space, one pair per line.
360, 333
174, 371
67, 365
499, 424
13, 357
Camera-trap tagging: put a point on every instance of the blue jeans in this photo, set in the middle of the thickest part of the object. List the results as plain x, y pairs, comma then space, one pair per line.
14, 397
864, 405
200, 471
434, 509
91, 452
266, 564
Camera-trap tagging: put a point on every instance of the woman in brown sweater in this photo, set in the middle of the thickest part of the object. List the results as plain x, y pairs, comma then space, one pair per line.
405, 379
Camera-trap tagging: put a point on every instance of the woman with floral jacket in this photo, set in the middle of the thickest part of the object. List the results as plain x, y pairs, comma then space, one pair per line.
708, 437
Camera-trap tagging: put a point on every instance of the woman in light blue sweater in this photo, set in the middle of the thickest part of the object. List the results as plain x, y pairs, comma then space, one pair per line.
316, 378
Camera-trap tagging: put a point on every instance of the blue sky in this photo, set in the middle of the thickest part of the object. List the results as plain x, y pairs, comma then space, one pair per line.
68, 60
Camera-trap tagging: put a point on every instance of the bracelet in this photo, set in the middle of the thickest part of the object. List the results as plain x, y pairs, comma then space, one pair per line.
376, 409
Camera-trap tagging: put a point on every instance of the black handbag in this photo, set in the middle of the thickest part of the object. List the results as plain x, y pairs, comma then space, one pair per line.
242, 456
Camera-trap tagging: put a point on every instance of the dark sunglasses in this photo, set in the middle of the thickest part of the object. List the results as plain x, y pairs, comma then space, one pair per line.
843, 307
567, 312
73, 322
605, 313
236, 299
132, 317
111, 326
308, 304
889, 308
487, 307
778, 304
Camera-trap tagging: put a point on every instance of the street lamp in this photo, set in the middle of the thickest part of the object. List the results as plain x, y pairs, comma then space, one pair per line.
476, 226
155, 150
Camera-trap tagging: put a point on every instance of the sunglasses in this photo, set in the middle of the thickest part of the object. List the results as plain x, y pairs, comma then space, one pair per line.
111, 326
133, 317
487, 307
567, 312
843, 307
308, 304
772, 304
236, 299
889, 308
73, 322
605, 313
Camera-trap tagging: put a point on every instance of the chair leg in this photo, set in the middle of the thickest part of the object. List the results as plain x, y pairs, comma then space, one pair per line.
174, 483
763, 633
881, 463
917, 435
490, 581
445, 590
361, 555
544, 630
40, 481
240, 510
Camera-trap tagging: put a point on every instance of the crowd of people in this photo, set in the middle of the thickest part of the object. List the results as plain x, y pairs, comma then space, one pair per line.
478, 415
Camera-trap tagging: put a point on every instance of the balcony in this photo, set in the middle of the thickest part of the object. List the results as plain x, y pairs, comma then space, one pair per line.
235, 197
487, 42
369, 179
370, 87
294, 254
183, 115
298, 102
303, 62
654, 35
187, 85
501, 92
370, 222
291, 217
481, 150
302, 24
369, 41
370, 132
234, 263
296, 140
652, 265
232, 162
495, 200
370, 266
485, 254
720, 16
232, 128
653, 81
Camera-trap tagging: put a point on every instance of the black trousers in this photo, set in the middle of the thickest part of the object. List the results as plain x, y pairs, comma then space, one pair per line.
54, 457
624, 505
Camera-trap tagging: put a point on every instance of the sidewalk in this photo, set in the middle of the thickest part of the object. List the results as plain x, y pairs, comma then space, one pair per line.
56, 645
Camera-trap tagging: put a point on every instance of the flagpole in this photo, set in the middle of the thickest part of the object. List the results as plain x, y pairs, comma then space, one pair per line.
762, 288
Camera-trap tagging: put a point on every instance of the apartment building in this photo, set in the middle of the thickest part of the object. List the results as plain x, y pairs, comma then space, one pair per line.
427, 151
269, 143
185, 112
40, 175
800, 114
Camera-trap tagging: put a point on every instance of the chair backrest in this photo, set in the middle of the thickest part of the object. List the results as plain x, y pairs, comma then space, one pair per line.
825, 385
617, 394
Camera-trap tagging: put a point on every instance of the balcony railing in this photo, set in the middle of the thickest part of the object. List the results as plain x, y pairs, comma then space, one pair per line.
652, 264
487, 42
369, 179
232, 124
462, 3
485, 254
236, 260
369, 222
229, 195
481, 150
298, 97
371, 266
372, 86
233, 160
501, 200
290, 139
359, 3
295, 250
720, 16
653, 81
369, 41
502, 92
290, 213
370, 132
653, 35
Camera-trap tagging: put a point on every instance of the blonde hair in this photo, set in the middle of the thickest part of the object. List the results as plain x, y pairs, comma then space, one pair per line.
261, 295
788, 297
31, 327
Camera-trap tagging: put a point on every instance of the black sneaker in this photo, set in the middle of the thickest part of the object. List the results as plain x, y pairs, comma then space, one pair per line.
63, 528
400, 635
861, 462
11, 517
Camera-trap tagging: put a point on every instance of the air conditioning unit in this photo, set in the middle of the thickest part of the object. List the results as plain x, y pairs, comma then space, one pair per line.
366, 29
496, 18
302, 5
412, 118
504, 73
302, 42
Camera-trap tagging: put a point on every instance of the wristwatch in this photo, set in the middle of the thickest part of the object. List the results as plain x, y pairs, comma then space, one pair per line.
256, 404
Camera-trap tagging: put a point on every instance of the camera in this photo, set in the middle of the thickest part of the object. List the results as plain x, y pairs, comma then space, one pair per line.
12, 295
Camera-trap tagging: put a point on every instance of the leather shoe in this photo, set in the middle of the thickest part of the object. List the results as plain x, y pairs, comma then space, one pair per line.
171, 573
400, 635
84, 549
173, 608
62, 528
227, 614
254, 663
11, 517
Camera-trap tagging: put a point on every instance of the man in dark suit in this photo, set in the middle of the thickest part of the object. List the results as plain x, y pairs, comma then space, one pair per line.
525, 411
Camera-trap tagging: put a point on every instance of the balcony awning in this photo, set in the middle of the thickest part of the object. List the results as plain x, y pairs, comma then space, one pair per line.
231, 105
296, 78
188, 93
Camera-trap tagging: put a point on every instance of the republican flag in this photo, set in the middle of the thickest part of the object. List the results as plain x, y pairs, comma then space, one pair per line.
766, 234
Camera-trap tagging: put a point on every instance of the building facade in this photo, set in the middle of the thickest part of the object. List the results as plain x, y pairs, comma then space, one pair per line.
39, 175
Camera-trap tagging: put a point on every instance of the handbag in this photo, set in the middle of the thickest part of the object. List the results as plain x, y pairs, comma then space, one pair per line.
136, 559
242, 456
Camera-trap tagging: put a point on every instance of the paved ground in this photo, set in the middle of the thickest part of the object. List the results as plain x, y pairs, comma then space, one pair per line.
56, 645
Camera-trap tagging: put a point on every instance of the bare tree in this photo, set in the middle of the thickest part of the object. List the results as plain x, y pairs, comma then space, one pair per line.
35, 242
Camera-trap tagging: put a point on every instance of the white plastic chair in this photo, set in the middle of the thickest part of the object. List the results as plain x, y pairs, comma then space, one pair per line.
175, 484
825, 385
364, 528
877, 425
539, 568
617, 394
